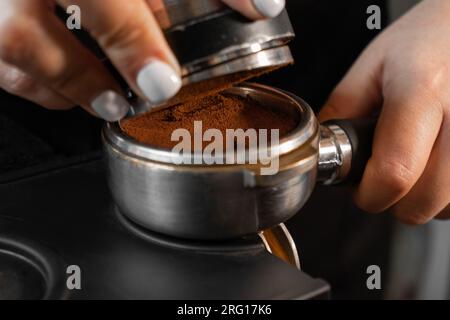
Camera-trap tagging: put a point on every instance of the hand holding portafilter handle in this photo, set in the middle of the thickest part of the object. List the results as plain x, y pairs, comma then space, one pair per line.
344, 149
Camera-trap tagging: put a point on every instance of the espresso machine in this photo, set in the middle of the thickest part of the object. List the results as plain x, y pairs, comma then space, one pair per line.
60, 215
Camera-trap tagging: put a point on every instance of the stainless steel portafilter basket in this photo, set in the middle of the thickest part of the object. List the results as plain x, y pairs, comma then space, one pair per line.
207, 202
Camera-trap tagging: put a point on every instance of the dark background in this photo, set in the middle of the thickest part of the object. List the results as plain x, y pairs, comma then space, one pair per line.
336, 241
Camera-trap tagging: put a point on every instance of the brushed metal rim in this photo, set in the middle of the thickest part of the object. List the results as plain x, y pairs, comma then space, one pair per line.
257, 57
249, 56
306, 129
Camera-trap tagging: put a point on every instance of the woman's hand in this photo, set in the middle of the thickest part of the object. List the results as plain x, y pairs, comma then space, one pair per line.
42, 61
406, 72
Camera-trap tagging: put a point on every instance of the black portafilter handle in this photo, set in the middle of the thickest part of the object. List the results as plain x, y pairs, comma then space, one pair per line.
345, 148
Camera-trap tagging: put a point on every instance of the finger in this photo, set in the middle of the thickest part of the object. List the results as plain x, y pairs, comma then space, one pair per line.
430, 195
130, 36
20, 84
257, 9
445, 214
360, 90
36, 42
406, 132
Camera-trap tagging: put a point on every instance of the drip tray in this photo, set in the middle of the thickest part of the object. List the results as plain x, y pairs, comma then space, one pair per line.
28, 272
20, 279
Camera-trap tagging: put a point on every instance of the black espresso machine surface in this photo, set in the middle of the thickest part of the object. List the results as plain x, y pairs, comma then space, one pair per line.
59, 222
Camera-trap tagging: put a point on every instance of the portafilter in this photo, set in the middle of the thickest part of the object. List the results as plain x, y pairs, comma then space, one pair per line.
214, 202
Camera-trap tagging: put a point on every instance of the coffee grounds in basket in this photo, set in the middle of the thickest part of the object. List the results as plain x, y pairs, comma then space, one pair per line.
219, 111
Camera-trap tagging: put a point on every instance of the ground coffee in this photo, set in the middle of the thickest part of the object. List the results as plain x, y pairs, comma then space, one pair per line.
216, 85
219, 111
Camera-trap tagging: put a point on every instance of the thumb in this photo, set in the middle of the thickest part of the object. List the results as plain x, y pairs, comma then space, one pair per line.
359, 92
257, 9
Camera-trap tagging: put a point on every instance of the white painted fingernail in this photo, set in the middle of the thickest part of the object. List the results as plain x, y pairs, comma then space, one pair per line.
269, 8
110, 106
158, 81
